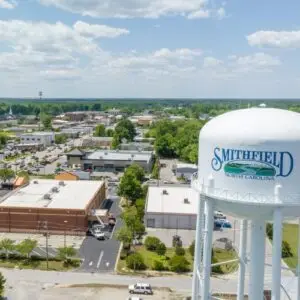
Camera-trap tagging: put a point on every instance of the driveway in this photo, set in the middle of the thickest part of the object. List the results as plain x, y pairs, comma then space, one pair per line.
101, 256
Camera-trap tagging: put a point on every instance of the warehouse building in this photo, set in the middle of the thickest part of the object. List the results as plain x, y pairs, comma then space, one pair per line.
171, 207
39, 138
110, 160
62, 205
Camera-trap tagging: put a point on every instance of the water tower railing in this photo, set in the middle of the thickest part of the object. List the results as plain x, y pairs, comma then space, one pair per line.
293, 199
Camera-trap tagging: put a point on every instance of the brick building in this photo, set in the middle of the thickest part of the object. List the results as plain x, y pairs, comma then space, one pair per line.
62, 206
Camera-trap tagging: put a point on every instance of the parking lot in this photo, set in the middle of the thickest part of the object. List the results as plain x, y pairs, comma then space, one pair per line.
101, 255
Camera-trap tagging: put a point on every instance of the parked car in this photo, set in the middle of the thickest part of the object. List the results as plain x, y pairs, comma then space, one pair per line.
140, 288
219, 215
134, 298
222, 223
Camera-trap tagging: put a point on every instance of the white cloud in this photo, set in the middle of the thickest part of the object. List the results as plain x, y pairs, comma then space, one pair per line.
135, 9
221, 13
282, 39
97, 31
199, 14
258, 60
61, 74
183, 53
211, 62
8, 4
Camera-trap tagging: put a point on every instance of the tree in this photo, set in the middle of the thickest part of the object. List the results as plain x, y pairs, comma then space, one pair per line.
65, 253
136, 170
6, 174
125, 130
192, 248
2, 284
7, 245
158, 266
58, 164
100, 130
286, 250
124, 235
46, 120
3, 139
179, 264
130, 188
164, 145
132, 221
24, 174
60, 138
140, 207
161, 249
109, 132
151, 243
179, 251
135, 261
26, 247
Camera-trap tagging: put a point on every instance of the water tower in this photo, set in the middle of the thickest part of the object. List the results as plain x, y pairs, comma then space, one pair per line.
249, 167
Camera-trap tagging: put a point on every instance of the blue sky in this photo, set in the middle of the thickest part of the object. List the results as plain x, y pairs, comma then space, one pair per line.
149, 48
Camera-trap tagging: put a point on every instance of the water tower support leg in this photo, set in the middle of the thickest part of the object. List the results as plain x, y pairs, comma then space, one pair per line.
276, 257
257, 260
242, 256
298, 267
198, 250
209, 227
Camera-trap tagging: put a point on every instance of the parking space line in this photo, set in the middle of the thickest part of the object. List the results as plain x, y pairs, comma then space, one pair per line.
36, 253
100, 258
91, 263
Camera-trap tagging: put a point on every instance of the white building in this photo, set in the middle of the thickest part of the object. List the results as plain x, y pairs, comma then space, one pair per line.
42, 138
185, 170
171, 207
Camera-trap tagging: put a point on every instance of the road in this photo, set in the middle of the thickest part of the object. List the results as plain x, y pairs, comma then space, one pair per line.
28, 284
100, 256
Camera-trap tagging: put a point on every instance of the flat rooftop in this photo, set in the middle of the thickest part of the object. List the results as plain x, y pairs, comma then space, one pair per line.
72, 195
38, 133
172, 200
120, 155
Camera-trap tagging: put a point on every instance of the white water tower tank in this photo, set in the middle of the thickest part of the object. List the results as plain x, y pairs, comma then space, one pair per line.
249, 167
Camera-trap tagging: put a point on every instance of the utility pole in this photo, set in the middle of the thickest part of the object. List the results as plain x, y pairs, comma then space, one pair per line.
46, 235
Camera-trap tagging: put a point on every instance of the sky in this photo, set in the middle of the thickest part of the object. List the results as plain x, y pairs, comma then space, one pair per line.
150, 48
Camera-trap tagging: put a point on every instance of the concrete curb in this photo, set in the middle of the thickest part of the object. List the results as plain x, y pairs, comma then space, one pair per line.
118, 257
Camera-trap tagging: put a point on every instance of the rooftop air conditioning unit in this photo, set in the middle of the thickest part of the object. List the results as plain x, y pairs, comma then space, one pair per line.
186, 201
35, 182
61, 183
54, 189
165, 192
47, 196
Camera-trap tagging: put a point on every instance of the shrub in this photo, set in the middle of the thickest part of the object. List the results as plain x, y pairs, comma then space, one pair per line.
123, 254
192, 248
158, 266
179, 251
161, 249
151, 243
179, 264
286, 250
135, 261
269, 231
215, 269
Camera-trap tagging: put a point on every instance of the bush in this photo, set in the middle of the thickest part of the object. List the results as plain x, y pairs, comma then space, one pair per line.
215, 269
135, 261
179, 251
158, 266
286, 250
192, 248
151, 243
269, 231
161, 249
179, 264
123, 254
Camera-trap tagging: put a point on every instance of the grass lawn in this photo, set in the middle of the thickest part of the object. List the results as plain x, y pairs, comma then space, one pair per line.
150, 257
224, 255
290, 234
39, 265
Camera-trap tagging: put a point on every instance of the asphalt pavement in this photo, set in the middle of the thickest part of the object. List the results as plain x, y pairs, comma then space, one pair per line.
101, 255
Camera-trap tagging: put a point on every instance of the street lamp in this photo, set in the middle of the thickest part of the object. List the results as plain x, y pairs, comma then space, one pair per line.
65, 242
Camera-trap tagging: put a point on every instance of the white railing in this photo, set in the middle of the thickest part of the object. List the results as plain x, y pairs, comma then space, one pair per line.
293, 199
